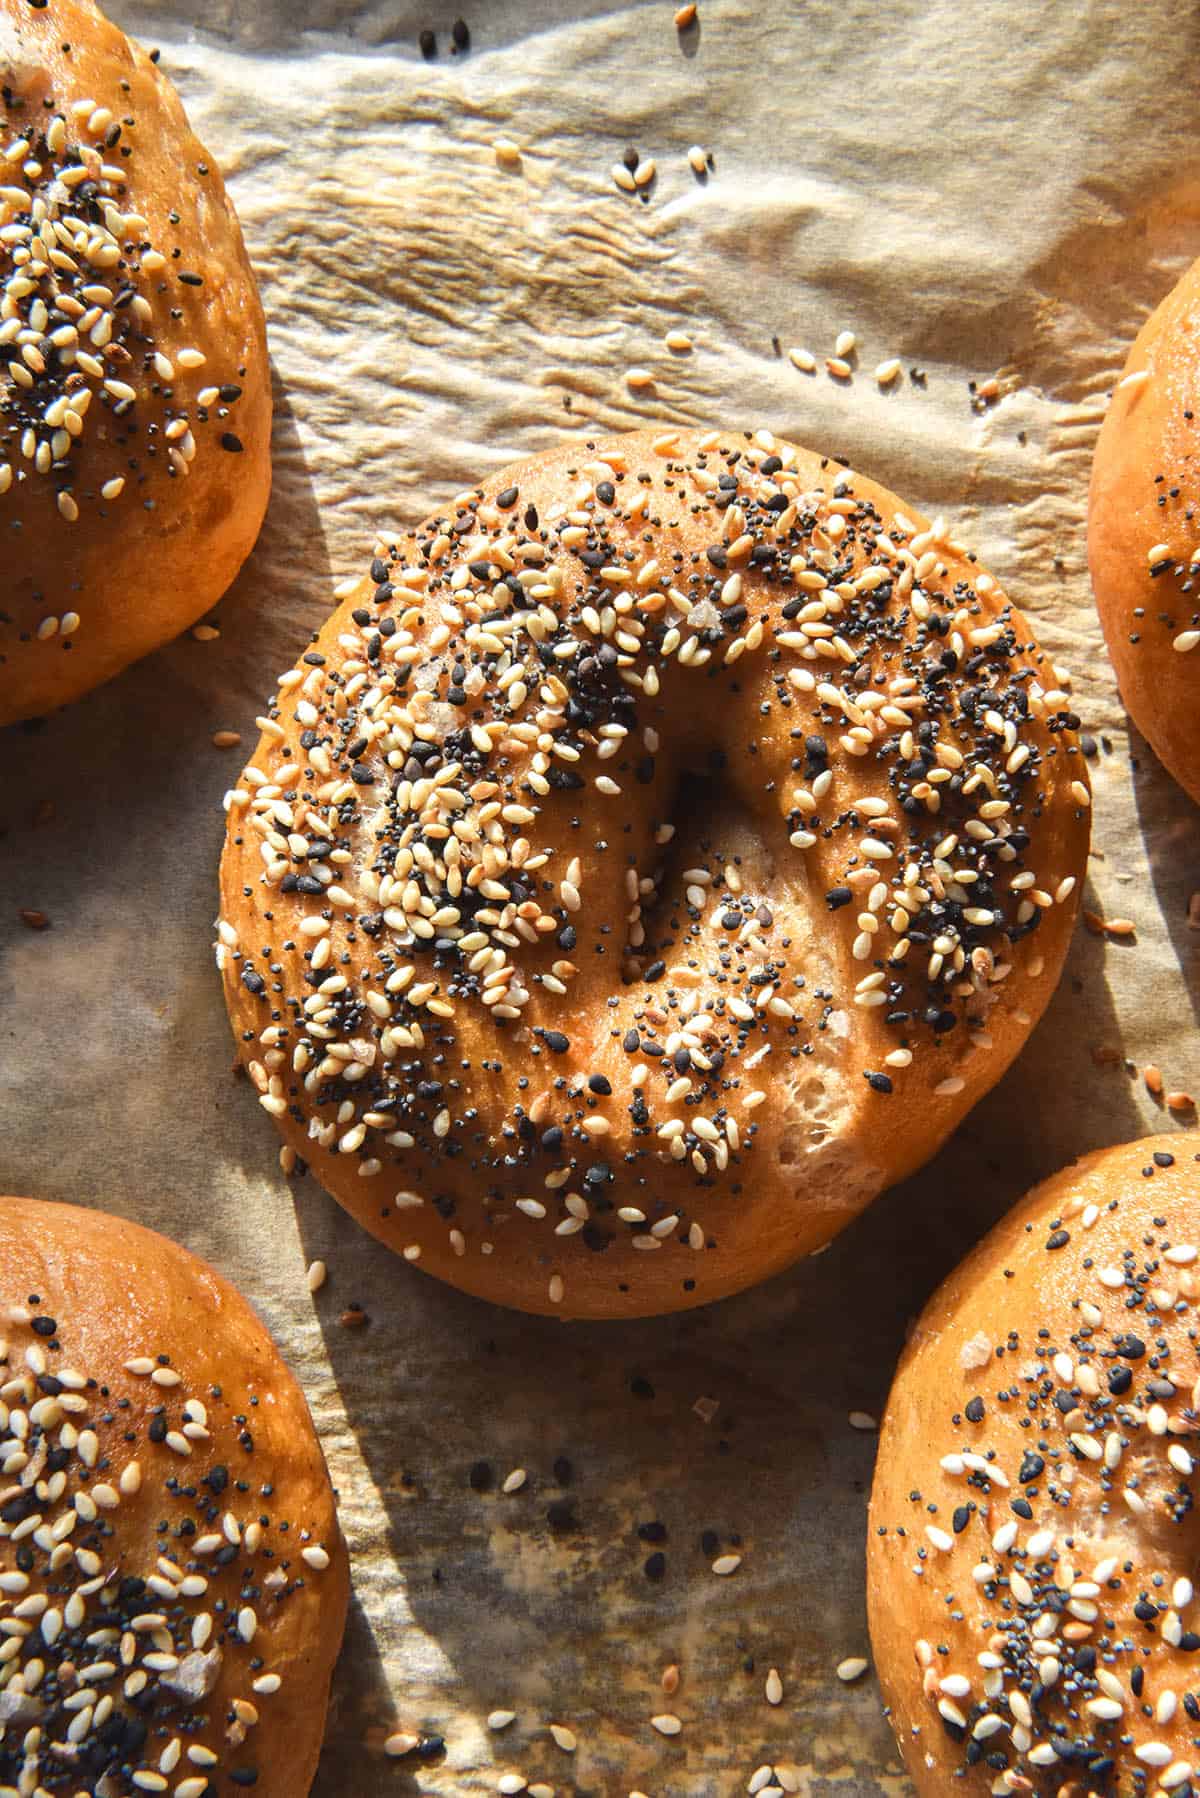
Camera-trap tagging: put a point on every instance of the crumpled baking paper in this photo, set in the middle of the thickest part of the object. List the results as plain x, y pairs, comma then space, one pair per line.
985, 193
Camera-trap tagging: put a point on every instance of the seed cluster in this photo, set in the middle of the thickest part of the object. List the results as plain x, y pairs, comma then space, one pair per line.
435, 778
1081, 1673
113, 1640
84, 297
1171, 495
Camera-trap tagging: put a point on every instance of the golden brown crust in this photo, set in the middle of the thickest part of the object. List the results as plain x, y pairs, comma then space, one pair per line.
1143, 531
633, 650
141, 1396
1033, 1496
91, 578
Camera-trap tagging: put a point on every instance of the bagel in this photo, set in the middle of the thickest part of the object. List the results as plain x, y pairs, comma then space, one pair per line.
650, 861
135, 395
173, 1585
1144, 535
1033, 1541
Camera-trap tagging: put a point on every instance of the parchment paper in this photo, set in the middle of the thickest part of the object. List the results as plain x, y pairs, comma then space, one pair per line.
982, 189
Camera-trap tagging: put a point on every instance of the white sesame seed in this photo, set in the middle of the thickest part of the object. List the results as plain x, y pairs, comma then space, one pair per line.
852, 1668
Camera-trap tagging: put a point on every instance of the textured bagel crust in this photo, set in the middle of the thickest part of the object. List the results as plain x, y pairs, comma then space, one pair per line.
534, 1041
1033, 1540
1144, 533
135, 397
168, 1538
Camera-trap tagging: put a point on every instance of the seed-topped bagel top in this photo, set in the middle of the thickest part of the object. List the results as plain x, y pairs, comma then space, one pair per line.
1033, 1527
650, 861
135, 402
172, 1581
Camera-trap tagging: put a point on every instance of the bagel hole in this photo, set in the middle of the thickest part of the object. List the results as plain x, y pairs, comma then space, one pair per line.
712, 831
716, 832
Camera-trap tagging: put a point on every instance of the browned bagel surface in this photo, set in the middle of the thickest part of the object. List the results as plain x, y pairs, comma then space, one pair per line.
1033, 1538
1144, 531
135, 393
171, 1570
654, 859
